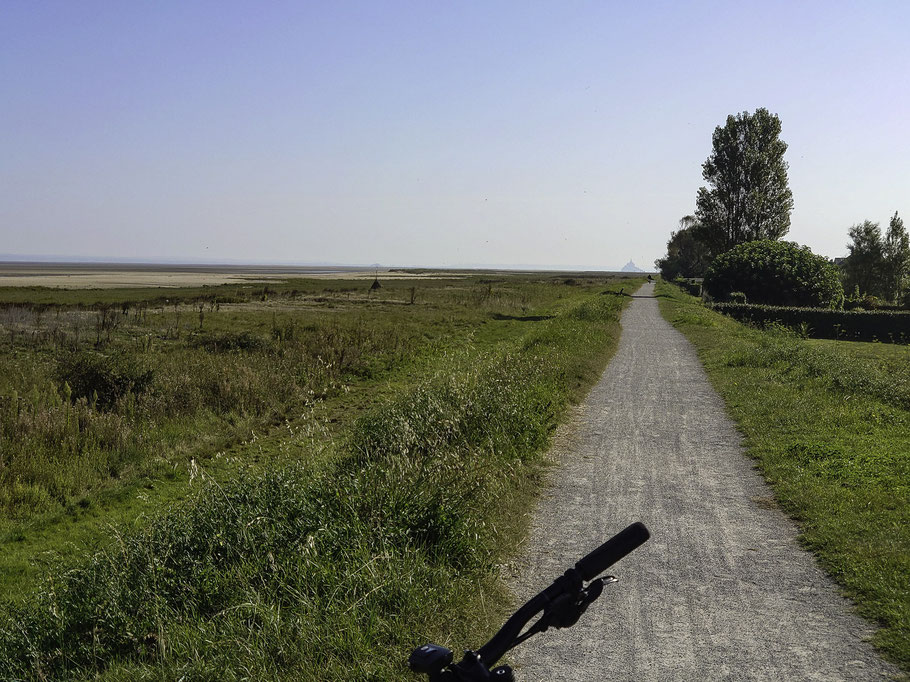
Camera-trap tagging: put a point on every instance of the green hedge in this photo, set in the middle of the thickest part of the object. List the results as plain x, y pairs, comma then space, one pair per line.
691, 285
824, 323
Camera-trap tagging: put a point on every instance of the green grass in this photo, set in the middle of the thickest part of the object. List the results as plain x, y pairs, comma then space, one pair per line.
158, 296
67, 468
328, 545
885, 356
829, 425
73, 415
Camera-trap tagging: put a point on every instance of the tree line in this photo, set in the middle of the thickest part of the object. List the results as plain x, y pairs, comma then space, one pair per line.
748, 199
878, 265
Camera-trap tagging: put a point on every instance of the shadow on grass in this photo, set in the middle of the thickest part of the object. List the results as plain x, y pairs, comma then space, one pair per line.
522, 318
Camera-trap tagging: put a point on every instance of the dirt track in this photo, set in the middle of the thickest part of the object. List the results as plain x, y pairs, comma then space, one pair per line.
722, 591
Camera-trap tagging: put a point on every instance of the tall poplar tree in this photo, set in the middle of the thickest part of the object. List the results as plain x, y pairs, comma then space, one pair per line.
748, 196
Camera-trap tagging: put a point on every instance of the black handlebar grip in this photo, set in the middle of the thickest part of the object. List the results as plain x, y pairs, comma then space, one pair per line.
612, 551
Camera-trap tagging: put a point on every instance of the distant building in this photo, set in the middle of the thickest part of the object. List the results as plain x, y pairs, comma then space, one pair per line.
631, 267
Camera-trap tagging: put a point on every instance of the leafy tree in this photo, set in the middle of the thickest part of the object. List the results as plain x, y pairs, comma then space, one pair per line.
687, 255
775, 273
749, 196
897, 259
864, 267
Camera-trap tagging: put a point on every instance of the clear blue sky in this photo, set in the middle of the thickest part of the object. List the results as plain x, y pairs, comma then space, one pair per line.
430, 133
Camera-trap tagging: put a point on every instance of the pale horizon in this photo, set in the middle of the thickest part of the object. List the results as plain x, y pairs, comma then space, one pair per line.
49, 260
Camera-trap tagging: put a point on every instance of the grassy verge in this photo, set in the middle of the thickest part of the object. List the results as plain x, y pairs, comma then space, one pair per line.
829, 424
317, 569
104, 407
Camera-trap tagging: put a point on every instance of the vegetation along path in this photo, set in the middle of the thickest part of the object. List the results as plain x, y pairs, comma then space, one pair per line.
722, 590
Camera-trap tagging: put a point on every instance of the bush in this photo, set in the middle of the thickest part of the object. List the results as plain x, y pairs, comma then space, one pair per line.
690, 286
100, 378
228, 342
868, 302
824, 323
775, 273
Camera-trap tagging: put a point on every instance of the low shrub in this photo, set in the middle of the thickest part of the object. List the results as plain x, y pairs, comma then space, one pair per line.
824, 323
775, 273
870, 303
690, 286
101, 379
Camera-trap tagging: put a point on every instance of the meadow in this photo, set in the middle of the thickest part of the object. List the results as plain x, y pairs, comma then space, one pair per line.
302, 478
828, 423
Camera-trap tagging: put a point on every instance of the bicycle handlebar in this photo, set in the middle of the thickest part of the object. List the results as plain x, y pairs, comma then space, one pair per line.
614, 549
562, 604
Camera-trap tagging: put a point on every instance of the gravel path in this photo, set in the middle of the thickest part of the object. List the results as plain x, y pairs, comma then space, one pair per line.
722, 591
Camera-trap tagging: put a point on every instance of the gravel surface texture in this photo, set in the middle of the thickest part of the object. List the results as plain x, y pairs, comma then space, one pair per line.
722, 591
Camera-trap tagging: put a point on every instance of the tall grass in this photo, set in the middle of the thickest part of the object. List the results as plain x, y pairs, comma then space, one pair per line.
89, 416
325, 573
102, 387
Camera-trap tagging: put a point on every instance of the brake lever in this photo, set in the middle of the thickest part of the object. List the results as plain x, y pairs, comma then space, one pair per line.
566, 609
571, 608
